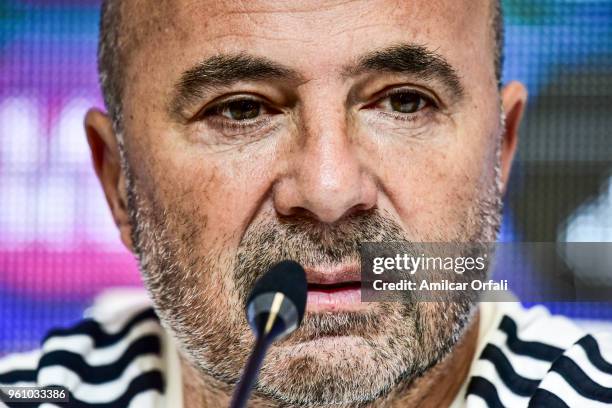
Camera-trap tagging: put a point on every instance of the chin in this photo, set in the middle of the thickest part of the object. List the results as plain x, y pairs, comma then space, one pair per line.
330, 370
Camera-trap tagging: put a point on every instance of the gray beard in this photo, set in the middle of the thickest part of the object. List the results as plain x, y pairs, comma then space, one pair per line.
344, 359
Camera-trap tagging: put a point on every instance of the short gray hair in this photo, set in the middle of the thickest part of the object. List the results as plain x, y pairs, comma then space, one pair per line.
111, 60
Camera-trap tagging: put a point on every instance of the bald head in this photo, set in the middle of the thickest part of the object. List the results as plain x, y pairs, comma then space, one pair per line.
118, 38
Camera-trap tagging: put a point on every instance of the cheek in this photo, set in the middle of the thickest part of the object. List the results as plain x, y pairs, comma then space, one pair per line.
216, 194
434, 191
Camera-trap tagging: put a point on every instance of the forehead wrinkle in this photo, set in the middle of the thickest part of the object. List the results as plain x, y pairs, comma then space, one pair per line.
183, 15
272, 7
162, 15
176, 18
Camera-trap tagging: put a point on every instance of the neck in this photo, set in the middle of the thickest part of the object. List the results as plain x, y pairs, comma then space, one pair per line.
436, 388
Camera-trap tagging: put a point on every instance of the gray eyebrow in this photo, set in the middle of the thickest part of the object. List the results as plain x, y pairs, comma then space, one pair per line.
224, 70
410, 59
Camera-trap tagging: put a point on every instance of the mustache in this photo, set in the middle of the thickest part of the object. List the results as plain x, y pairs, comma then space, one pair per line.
309, 243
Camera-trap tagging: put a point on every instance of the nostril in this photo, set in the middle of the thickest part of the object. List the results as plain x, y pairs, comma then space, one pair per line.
299, 212
360, 208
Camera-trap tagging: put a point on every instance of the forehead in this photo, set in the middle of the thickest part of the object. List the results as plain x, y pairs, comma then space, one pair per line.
319, 12
307, 21
313, 37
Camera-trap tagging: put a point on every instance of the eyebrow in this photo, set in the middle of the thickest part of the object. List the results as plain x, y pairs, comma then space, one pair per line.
222, 71
410, 59
226, 69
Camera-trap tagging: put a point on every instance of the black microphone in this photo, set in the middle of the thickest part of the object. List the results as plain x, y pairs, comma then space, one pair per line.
274, 309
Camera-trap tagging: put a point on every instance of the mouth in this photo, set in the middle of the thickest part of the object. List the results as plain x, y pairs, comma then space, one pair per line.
334, 289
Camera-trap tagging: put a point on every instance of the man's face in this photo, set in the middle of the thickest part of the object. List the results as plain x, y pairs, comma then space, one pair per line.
264, 130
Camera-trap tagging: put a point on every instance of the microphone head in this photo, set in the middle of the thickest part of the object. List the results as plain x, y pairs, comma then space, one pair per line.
281, 293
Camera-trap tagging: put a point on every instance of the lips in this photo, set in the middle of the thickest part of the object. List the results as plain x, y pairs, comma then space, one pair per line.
334, 289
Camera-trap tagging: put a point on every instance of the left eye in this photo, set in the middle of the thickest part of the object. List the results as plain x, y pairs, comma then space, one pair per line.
404, 102
241, 109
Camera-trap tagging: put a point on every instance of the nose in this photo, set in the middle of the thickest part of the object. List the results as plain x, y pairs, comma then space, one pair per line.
327, 177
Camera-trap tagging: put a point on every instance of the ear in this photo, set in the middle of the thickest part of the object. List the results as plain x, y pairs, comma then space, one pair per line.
514, 98
107, 164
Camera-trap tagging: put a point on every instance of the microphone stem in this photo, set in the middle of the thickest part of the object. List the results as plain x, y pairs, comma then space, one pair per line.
249, 375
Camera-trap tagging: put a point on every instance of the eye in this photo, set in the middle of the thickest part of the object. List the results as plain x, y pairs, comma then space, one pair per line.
238, 116
240, 109
404, 101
